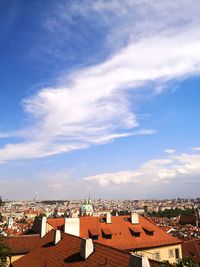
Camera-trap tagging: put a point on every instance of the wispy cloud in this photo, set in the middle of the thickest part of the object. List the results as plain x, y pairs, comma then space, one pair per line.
123, 22
92, 105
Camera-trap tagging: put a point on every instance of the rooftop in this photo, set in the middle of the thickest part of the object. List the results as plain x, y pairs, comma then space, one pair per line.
124, 234
22, 244
67, 251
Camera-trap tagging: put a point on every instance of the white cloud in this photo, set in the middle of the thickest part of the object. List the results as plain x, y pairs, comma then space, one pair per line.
172, 168
172, 176
169, 151
196, 148
92, 104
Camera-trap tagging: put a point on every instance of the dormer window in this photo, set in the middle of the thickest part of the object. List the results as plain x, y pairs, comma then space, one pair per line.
93, 234
106, 233
148, 230
135, 232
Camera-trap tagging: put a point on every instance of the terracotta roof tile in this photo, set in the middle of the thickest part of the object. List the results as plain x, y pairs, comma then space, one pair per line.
67, 252
107, 231
22, 244
121, 235
154, 263
149, 229
56, 223
191, 249
93, 232
135, 229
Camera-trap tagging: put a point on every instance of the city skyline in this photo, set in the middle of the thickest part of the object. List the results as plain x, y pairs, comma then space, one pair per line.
99, 98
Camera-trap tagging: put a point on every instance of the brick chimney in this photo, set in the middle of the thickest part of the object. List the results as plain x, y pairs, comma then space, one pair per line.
86, 248
43, 226
108, 217
57, 236
134, 218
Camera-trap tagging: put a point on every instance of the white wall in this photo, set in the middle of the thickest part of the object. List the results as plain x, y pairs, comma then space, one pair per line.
72, 226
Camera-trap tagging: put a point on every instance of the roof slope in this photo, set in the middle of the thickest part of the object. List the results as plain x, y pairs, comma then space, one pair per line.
188, 219
122, 236
22, 244
67, 252
56, 223
191, 249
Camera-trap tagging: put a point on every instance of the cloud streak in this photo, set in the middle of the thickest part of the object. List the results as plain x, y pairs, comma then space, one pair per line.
95, 104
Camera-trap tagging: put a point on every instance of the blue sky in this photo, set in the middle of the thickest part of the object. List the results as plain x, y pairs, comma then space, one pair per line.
100, 97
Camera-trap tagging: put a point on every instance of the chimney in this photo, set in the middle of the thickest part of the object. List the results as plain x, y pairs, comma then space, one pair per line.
108, 217
134, 218
43, 226
86, 247
57, 236
138, 261
72, 226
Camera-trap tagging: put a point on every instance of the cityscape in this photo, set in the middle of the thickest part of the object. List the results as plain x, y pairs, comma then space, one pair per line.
99, 133
178, 218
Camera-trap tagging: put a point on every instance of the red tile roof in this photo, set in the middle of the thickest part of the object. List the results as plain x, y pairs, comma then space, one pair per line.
149, 229
188, 219
56, 223
107, 231
120, 229
135, 229
22, 244
93, 232
191, 249
121, 235
67, 252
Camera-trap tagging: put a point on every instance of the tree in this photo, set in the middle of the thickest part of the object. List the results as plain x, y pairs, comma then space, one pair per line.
5, 252
1, 217
1, 202
185, 262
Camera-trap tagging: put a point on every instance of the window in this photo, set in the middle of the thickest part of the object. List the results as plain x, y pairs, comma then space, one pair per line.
170, 253
135, 232
157, 255
177, 253
106, 233
148, 230
94, 237
93, 234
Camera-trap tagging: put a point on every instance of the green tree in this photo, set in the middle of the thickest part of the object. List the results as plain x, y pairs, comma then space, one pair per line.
1, 217
187, 262
5, 252
1, 202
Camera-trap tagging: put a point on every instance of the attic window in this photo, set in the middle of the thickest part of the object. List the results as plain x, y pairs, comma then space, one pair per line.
135, 232
93, 234
106, 233
102, 220
148, 230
